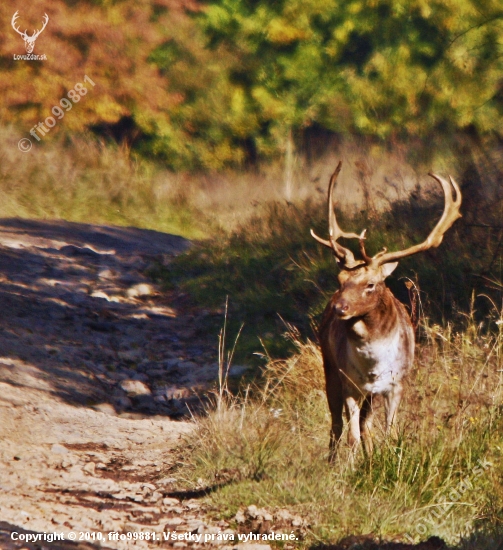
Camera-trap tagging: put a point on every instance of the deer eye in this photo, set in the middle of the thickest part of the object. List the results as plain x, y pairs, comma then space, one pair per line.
371, 286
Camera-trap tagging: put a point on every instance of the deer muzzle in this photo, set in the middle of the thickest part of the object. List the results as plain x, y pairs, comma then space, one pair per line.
341, 307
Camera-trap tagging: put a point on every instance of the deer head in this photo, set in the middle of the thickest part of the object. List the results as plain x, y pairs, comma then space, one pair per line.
362, 281
29, 41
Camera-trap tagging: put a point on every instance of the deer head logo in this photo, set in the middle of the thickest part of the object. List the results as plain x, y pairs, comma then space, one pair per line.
29, 41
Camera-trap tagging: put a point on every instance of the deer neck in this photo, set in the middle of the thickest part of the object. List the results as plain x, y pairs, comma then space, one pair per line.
378, 322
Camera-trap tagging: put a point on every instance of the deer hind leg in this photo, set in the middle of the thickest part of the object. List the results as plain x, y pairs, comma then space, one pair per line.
366, 420
391, 402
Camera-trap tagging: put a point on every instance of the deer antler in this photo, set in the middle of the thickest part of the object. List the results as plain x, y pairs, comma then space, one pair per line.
25, 33
450, 215
344, 255
13, 23
46, 20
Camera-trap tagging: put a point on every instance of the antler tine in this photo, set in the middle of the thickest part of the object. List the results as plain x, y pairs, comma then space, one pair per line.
45, 21
13, 23
449, 216
343, 254
320, 240
335, 231
361, 238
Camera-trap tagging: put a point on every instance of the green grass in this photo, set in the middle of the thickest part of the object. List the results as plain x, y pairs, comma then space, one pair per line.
258, 269
275, 275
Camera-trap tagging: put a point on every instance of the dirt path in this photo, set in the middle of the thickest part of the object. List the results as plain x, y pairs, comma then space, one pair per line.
95, 367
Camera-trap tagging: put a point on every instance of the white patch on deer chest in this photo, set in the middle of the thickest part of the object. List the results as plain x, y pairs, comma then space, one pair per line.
376, 366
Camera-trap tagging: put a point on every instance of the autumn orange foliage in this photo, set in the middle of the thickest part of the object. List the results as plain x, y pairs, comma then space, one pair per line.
108, 42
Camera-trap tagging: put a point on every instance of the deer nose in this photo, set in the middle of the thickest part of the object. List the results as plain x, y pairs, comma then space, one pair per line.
341, 307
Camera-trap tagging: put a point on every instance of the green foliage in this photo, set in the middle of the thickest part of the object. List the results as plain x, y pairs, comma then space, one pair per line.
207, 86
384, 68
206, 125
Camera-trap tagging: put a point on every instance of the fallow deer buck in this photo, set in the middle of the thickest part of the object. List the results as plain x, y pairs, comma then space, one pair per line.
366, 336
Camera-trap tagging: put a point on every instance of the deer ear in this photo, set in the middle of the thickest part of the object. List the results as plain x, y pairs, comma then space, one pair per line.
387, 269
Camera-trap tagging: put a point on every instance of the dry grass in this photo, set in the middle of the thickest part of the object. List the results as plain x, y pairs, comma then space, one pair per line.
268, 447
81, 179
85, 181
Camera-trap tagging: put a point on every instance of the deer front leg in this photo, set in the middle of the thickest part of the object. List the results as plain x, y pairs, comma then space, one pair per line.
353, 416
391, 402
335, 404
